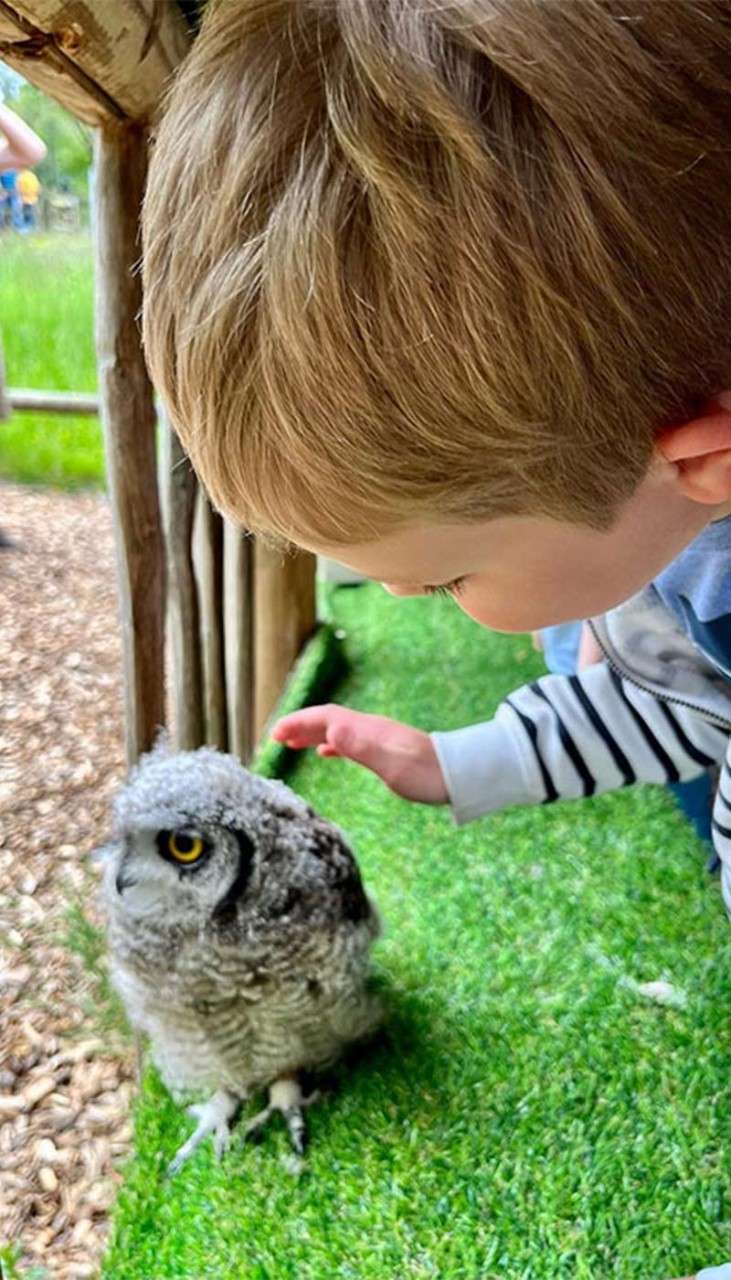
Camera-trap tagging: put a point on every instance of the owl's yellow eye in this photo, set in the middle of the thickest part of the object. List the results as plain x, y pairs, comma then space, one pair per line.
184, 848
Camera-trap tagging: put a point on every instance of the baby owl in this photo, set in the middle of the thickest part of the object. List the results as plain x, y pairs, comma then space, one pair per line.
239, 935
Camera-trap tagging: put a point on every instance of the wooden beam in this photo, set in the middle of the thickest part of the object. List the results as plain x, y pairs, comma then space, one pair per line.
284, 617
28, 400
238, 633
208, 565
99, 60
182, 599
128, 418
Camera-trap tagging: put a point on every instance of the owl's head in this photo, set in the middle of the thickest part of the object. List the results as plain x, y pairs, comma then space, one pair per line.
193, 830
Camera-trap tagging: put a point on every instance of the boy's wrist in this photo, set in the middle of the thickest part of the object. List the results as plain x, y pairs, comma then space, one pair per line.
483, 769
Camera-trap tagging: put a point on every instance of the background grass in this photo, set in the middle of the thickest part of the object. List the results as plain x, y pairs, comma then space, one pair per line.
524, 1116
46, 310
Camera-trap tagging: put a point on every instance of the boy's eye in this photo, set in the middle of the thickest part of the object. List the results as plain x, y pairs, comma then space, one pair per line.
452, 588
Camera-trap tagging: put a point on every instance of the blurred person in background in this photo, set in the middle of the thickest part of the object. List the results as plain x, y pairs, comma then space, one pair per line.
19, 148
29, 189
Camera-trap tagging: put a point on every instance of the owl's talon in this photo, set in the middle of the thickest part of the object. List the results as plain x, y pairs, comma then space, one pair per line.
285, 1096
221, 1139
296, 1128
213, 1119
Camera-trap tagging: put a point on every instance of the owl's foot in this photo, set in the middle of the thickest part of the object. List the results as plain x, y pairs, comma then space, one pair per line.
285, 1096
213, 1119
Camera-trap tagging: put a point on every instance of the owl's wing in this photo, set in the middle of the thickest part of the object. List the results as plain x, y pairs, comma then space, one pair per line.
338, 868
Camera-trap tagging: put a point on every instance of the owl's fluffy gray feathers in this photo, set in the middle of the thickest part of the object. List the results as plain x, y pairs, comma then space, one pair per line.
247, 961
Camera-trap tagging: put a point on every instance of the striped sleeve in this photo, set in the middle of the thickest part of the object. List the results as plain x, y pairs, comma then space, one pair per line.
721, 829
564, 737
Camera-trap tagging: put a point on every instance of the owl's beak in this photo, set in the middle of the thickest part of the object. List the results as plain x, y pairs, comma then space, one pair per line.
123, 882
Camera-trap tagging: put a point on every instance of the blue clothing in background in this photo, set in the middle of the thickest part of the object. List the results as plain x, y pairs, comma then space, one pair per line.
561, 647
697, 588
11, 205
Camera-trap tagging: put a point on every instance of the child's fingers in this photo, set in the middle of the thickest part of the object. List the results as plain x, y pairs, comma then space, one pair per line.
339, 731
306, 728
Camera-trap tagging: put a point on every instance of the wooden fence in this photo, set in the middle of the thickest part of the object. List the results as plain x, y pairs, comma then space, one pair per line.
238, 613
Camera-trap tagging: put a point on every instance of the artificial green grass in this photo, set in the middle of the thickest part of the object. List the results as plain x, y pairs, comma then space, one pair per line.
318, 669
524, 1116
47, 311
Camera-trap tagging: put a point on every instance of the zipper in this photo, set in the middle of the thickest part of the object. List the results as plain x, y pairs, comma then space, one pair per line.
722, 721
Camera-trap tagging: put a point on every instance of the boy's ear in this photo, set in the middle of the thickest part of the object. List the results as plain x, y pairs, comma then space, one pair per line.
700, 451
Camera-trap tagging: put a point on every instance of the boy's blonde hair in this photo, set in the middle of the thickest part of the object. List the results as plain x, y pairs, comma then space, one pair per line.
412, 260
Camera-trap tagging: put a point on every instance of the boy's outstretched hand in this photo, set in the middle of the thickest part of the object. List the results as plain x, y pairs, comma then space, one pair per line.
404, 758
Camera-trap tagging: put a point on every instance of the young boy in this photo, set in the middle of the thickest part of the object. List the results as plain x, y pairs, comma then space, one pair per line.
458, 317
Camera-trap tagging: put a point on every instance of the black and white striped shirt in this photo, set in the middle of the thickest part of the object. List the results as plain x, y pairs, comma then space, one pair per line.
565, 737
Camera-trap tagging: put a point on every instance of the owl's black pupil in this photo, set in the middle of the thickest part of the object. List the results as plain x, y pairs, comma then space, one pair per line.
184, 844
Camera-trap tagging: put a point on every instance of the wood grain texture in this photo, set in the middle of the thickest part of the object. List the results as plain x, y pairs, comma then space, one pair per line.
238, 639
208, 565
28, 400
284, 617
129, 422
182, 598
100, 60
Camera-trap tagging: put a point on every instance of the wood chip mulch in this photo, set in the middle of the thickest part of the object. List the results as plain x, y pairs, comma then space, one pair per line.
65, 1085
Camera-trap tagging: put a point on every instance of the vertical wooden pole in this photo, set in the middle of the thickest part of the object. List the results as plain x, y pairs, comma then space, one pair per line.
284, 616
208, 562
128, 418
183, 613
238, 631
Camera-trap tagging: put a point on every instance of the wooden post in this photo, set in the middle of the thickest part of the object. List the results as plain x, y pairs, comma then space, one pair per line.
284, 616
128, 418
31, 401
183, 613
208, 563
238, 632
101, 59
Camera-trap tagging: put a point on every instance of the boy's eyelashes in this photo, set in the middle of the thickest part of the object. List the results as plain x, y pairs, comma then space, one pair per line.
452, 588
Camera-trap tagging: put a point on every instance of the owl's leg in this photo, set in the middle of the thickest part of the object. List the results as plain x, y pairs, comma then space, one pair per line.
285, 1096
213, 1119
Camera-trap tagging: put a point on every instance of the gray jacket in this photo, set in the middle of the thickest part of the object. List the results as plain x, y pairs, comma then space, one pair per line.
657, 710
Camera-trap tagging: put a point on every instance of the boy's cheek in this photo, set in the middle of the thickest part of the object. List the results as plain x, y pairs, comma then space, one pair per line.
507, 619
522, 609
489, 610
